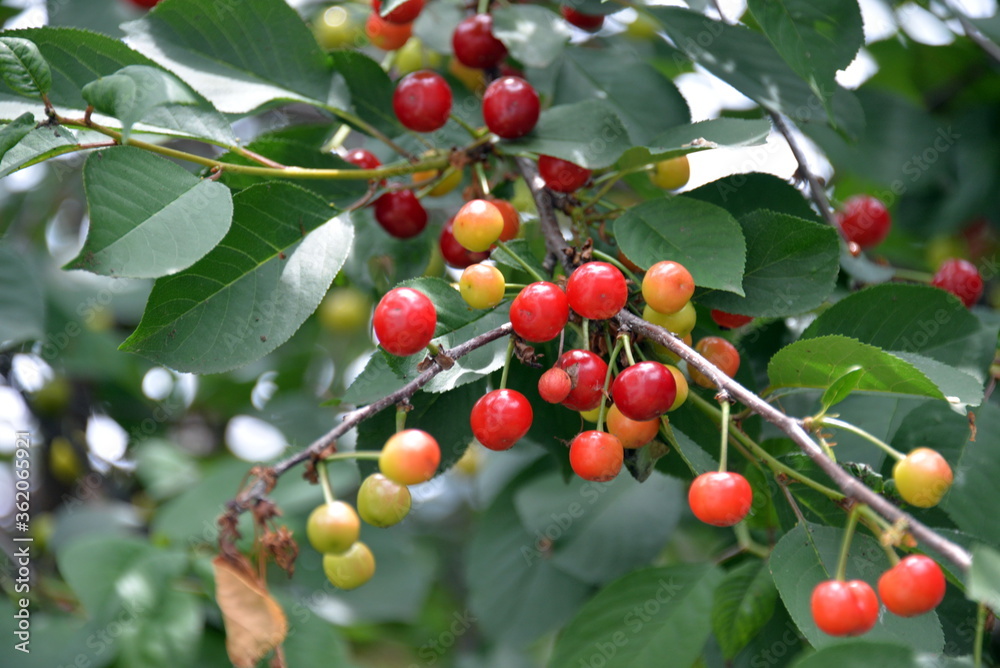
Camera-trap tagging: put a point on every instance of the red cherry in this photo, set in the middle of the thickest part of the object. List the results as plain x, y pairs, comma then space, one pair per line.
401, 214
359, 157
719, 352
588, 22
455, 253
404, 321
960, 278
587, 372
474, 45
404, 13
729, 320
145, 4
912, 587
631, 433
720, 498
596, 455
554, 385
510, 107
422, 101
511, 219
844, 608
385, 35
501, 418
539, 312
597, 290
864, 221
644, 391
561, 175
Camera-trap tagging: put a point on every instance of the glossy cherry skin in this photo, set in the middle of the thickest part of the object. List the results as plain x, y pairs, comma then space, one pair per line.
511, 219
405, 13
588, 22
587, 372
844, 608
145, 4
671, 174
477, 225
922, 477
382, 502
729, 320
719, 352
482, 286
422, 101
401, 214
539, 312
667, 286
554, 386
359, 157
912, 587
500, 419
597, 290
333, 527
385, 35
631, 433
455, 253
510, 107
561, 175
960, 278
474, 45
720, 498
351, 569
410, 457
864, 221
596, 456
404, 321
644, 391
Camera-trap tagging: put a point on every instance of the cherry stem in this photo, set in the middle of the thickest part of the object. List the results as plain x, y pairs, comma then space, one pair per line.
845, 545
483, 7
506, 363
400, 419
724, 428
338, 138
890, 552
628, 349
524, 265
357, 454
911, 275
613, 260
324, 481
481, 180
433, 349
468, 128
847, 426
586, 333
747, 543
977, 645
432, 183
607, 384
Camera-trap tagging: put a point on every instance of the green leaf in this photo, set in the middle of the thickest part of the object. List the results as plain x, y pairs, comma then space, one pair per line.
39, 144
23, 67
238, 55
984, 576
912, 319
975, 479
22, 298
149, 217
77, 57
862, 654
815, 37
742, 605
842, 387
253, 291
362, 87
704, 238
600, 531
641, 618
807, 555
748, 62
436, 24
791, 267
740, 194
817, 362
133, 91
167, 635
694, 137
560, 129
514, 592
505, 260
533, 35
15, 131
647, 102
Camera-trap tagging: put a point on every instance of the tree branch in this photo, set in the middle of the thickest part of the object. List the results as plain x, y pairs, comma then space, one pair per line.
555, 244
850, 485
256, 491
816, 191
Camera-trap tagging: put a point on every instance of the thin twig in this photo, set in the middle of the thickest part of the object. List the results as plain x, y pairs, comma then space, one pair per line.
554, 242
816, 191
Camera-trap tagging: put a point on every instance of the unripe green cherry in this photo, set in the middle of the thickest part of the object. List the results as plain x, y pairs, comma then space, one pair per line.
477, 225
333, 527
482, 286
680, 323
382, 502
350, 569
671, 174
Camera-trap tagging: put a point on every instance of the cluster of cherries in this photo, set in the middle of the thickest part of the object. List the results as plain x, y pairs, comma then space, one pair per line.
864, 222
409, 457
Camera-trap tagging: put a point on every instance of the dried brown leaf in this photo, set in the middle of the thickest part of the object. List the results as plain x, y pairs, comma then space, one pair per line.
255, 623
